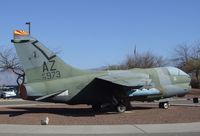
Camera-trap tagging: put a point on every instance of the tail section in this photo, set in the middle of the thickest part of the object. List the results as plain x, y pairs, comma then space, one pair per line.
39, 62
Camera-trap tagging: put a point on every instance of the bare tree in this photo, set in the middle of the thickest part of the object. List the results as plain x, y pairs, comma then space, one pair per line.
182, 55
187, 58
9, 60
195, 60
140, 60
144, 60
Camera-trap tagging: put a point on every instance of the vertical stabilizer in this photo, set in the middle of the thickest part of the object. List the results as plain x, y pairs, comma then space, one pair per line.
39, 62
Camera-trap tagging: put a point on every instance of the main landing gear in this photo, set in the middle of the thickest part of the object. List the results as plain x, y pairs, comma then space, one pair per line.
121, 108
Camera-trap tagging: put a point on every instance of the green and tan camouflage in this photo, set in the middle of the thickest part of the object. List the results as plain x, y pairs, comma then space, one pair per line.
50, 79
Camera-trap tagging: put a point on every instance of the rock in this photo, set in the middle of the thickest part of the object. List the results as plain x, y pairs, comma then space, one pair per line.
45, 121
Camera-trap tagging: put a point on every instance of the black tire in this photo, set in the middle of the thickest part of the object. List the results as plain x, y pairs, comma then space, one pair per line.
164, 105
121, 108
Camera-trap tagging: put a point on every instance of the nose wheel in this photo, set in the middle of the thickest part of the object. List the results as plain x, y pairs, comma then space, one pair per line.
164, 105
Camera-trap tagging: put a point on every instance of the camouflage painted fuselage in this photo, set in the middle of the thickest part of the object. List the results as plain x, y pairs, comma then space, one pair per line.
50, 79
100, 87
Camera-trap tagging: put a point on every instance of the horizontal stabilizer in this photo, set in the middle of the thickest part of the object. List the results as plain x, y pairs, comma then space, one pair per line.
43, 98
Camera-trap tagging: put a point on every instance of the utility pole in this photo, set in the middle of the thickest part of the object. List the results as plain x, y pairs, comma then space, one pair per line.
29, 27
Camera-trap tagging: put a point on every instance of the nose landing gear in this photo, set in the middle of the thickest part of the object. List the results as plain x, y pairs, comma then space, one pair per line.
164, 105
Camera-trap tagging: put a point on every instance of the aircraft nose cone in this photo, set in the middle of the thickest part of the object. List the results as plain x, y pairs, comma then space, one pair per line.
188, 79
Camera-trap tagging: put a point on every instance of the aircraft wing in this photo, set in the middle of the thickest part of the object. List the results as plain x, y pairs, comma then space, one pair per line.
132, 84
127, 79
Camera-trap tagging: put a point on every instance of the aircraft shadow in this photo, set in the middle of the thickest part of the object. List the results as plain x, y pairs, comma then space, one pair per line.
74, 112
17, 111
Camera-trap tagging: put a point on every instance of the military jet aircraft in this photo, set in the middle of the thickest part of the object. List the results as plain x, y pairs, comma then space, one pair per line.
50, 79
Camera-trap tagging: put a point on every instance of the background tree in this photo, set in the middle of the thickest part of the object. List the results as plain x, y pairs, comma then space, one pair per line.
140, 60
187, 58
182, 54
9, 60
144, 60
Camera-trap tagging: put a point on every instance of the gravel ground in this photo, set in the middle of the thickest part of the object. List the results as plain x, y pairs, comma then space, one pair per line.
60, 114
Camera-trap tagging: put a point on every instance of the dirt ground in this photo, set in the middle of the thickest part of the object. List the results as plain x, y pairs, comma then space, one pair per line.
60, 114
193, 93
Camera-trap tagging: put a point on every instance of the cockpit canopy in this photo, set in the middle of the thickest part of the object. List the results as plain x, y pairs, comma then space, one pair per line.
176, 72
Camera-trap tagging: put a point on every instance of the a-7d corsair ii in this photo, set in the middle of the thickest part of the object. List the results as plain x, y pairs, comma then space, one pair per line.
50, 79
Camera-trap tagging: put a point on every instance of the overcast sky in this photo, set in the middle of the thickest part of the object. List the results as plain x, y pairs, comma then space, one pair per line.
95, 33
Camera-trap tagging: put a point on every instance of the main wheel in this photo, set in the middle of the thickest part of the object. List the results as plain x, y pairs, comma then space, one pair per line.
121, 108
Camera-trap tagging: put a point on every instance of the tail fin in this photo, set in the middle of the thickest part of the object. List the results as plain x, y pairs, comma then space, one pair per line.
39, 62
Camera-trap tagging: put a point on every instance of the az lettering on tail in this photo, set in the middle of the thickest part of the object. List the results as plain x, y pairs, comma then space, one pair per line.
45, 67
50, 72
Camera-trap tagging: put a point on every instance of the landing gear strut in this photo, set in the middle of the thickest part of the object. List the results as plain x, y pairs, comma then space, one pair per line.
164, 105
